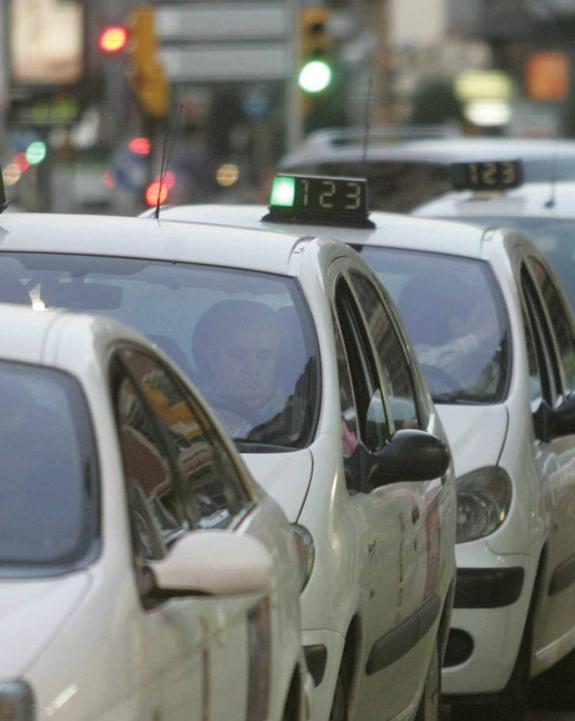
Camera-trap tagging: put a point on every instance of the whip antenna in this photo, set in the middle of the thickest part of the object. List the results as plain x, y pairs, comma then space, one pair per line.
166, 159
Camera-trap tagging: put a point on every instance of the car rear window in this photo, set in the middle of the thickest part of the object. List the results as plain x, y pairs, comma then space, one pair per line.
245, 338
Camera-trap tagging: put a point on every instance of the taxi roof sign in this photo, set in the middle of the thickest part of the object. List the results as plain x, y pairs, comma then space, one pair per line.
319, 200
495, 175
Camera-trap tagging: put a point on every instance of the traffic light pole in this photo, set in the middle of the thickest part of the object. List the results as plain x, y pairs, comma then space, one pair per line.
383, 112
293, 93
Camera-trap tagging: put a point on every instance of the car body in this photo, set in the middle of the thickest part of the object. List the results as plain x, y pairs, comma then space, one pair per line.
143, 572
404, 175
512, 615
542, 211
377, 550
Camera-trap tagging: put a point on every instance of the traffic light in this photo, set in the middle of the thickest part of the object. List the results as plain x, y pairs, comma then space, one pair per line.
113, 39
315, 73
146, 73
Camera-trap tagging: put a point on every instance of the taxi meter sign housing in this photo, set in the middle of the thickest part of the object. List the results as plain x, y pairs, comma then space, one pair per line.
487, 175
319, 200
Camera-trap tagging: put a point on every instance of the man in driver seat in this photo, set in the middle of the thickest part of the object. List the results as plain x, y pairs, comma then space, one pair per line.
236, 346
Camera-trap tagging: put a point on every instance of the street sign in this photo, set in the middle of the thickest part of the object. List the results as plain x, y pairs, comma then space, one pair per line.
223, 41
221, 21
226, 62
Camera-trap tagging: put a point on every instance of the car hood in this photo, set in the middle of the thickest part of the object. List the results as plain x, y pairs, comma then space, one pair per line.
285, 476
31, 615
476, 434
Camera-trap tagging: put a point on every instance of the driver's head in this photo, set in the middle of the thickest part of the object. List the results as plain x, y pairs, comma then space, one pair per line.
235, 346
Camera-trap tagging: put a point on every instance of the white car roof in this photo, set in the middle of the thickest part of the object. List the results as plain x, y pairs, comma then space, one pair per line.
444, 151
55, 338
257, 248
391, 230
541, 200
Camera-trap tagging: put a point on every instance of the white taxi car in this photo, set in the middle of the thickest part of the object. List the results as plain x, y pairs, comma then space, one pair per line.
408, 173
303, 358
495, 339
542, 211
143, 574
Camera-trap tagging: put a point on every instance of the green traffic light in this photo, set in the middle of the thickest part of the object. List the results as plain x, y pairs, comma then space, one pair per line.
283, 192
36, 152
315, 76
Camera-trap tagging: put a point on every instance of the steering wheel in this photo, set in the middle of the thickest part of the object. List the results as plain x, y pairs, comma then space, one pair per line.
439, 380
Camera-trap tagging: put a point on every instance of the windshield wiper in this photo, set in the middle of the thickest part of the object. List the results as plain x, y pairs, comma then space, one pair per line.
245, 445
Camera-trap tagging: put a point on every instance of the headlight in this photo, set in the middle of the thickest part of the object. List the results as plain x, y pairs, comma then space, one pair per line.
305, 552
16, 701
483, 501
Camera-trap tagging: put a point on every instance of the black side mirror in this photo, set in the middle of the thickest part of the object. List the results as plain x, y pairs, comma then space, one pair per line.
563, 417
555, 422
409, 455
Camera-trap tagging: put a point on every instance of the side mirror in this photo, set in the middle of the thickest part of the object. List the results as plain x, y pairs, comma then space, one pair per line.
410, 455
563, 418
555, 422
215, 563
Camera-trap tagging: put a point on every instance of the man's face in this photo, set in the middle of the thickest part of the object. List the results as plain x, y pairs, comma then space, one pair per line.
243, 363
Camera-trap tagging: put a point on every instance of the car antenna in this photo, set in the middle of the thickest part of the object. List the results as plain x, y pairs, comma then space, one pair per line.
166, 160
550, 203
367, 126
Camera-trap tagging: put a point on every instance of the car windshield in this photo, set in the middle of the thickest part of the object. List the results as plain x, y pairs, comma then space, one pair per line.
455, 317
48, 485
555, 238
245, 338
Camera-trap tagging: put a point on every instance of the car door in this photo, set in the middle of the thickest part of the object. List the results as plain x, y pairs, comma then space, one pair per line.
560, 341
387, 521
223, 642
426, 553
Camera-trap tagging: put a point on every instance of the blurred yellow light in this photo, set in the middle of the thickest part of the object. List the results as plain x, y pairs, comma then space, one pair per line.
227, 175
484, 85
11, 174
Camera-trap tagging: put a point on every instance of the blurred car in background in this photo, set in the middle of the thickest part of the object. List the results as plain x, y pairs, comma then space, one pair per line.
404, 175
495, 338
143, 573
303, 358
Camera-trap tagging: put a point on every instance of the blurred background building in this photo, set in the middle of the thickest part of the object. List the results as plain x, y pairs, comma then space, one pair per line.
97, 97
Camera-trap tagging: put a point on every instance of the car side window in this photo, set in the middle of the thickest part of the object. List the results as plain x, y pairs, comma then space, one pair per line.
211, 488
559, 321
394, 364
539, 347
349, 428
156, 512
372, 421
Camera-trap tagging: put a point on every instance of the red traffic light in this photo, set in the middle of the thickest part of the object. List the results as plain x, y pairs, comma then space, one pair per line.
113, 39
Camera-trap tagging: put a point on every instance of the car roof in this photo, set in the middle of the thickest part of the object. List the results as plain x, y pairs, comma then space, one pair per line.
149, 238
540, 200
442, 151
54, 337
391, 229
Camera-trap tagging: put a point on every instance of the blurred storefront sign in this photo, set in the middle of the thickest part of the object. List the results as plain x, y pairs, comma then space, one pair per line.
45, 42
45, 110
547, 76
